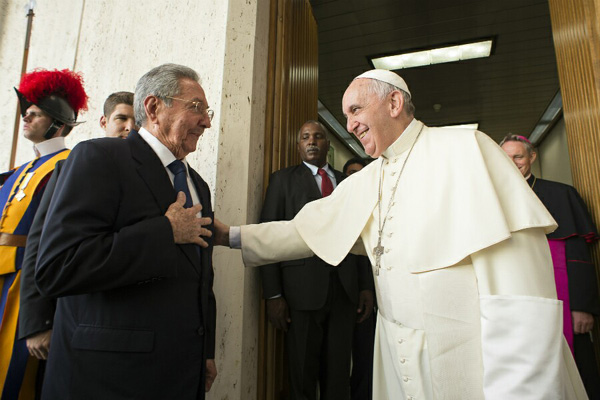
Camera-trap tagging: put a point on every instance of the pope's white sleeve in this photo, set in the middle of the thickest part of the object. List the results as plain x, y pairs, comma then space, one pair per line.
524, 353
275, 241
271, 242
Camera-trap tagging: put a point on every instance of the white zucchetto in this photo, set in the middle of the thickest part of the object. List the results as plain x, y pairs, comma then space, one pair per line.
386, 76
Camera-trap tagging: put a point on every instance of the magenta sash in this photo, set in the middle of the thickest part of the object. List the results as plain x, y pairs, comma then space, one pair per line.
559, 259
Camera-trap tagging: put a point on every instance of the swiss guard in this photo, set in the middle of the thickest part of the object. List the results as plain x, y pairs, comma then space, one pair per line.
50, 101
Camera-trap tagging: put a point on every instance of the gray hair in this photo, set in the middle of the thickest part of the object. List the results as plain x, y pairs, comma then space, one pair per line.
383, 89
521, 139
312, 121
161, 81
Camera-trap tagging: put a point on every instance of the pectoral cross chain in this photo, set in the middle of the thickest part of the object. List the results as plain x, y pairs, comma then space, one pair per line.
379, 249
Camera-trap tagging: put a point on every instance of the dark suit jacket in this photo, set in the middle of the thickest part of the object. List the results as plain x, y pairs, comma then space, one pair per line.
304, 283
36, 312
136, 313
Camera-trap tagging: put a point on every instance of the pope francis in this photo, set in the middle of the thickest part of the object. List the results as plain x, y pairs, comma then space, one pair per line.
465, 287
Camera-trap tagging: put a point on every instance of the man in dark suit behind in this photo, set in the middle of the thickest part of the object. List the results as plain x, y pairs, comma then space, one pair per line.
123, 249
36, 312
314, 302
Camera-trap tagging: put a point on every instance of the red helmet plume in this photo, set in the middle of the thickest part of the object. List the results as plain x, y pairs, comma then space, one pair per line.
58, 93
67, 84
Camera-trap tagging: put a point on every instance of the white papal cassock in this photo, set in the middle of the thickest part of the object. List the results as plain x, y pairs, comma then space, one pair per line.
466, 294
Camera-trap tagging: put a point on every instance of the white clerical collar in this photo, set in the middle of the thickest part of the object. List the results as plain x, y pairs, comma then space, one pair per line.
405, 140
165, 155
314, 169
49, 146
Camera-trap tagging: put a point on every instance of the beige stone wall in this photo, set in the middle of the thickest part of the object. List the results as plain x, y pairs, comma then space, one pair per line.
113, 43
239, 193
553, 154
342, 154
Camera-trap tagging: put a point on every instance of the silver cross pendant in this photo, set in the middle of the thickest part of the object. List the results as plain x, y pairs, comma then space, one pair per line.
377, 253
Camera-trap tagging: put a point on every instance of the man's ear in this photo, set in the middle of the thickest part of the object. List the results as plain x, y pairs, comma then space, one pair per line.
396, 103
152, 105
103, 122
533, 157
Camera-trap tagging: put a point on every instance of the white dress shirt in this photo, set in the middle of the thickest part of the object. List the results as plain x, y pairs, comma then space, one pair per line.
166, 158
314, 169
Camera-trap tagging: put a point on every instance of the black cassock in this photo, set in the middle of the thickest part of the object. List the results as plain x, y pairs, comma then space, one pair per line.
577, 230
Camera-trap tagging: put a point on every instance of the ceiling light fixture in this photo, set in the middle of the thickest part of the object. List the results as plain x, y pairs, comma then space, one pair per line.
463, 125
547, 120
474, 125
438, 55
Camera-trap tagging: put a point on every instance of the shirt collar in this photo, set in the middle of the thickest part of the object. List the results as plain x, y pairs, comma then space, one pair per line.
49, 146
530, 179
163, 153
314, 169
405, 140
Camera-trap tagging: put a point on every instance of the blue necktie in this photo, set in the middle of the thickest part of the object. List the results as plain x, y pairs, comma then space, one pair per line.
178, 169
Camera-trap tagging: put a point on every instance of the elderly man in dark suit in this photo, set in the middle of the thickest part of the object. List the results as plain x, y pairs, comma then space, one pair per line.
314, 302
126, 246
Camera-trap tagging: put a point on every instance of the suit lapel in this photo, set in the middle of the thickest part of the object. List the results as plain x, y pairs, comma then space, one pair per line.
157, 180
152, 171
204, 197
192, 251
308, 182
338, 176
203, 194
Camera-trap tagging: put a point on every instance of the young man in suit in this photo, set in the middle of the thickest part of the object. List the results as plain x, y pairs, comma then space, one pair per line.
124, 249
315, 303
36, 312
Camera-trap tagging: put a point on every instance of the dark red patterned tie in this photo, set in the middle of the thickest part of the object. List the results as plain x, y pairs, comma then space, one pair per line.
326, 185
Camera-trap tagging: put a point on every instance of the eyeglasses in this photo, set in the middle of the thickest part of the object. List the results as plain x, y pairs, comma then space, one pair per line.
198, 107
